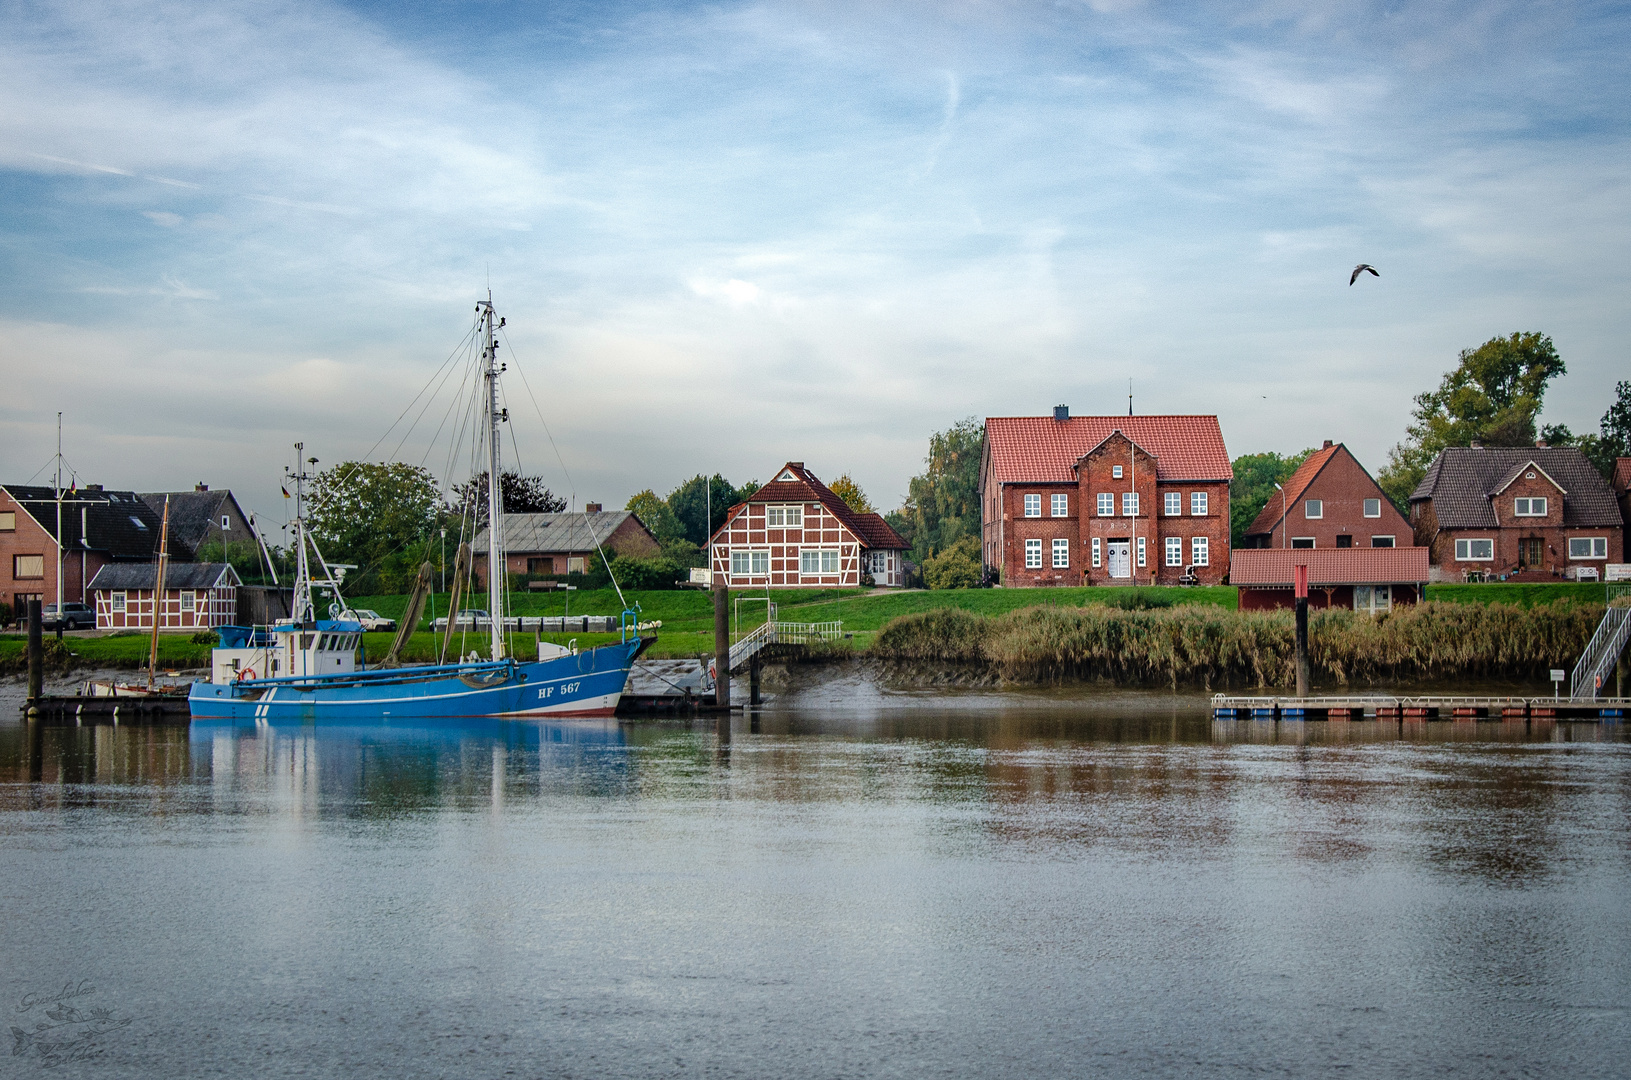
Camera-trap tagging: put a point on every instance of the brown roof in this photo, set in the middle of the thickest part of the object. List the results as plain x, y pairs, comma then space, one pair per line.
1328, 566
1042, 450
1462, 480
1269, 517
1622, 473
804, 486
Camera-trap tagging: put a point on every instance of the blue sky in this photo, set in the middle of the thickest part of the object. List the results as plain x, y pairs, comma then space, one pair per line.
726, 235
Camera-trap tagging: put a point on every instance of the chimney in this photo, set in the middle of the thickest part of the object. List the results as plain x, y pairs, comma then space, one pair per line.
591, 508
201, 487
1476, 445
796, 464
1327, 445
1061, 413
93, 487
1540, 444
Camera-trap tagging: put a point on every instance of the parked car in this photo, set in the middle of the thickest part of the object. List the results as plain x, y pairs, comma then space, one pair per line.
371, 620
74, 617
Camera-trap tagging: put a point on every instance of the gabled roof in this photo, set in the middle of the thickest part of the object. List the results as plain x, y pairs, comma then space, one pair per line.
195, 575
1329, 566
1517, 470
1461, 482
1622, 473
561, 532
193, 513
1268, 518
118, 524
1042, 450
794, 483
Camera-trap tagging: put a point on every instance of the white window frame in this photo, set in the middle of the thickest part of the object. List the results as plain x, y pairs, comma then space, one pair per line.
1526, 507
1175, 551
1061, 553
116, 601
1599, 547
755, 562
1173, 503
1059, 505
1141, 551
739, 556
1370, 503
1033, 554
1115, 472
1377, 598
189, 601
1129, 504
1098, 553
1033, 506
226, 523
1295, 542
1200, 551
1197, 504
1392, 541
1107, 504
784, 517
1463, 549
1313, 509
821, 560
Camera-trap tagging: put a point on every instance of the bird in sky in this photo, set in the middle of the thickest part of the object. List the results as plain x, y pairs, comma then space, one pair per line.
1360, 269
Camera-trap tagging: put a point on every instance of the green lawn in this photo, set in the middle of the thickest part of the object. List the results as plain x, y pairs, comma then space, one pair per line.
1522, 594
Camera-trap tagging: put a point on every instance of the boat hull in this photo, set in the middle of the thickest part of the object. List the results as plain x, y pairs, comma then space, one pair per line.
588, 683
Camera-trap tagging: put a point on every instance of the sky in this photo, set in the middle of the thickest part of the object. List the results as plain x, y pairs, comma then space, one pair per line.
728, 235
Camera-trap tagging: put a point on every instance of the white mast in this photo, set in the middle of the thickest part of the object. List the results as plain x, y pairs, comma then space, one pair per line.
301, 608
496, 567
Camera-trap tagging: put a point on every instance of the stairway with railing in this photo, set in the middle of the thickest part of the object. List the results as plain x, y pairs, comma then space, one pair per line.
1596, 664
782, 633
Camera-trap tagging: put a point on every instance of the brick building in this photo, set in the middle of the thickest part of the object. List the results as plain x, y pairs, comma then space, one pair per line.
794, 533
1105, 500
98, 528
1329, 502
565, 542
1530, 513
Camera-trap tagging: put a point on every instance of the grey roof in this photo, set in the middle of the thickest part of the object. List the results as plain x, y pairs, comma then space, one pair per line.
194, 575
556, 532
1462, 480
117, 523
193, 513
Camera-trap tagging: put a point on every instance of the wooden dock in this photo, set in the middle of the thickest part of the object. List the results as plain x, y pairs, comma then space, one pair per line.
74, 710
1404, 707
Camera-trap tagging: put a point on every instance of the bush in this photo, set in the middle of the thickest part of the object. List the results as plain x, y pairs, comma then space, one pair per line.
206, 637
957, 567
5, 613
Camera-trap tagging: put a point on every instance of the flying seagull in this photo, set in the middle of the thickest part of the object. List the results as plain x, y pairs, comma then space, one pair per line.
1360, 269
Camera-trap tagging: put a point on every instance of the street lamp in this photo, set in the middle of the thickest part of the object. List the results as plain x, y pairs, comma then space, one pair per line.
1282, 516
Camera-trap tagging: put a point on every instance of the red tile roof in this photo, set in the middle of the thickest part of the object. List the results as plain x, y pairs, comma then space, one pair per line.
1042, 450
1622, 473
1328, 566
1269, 517
872, 530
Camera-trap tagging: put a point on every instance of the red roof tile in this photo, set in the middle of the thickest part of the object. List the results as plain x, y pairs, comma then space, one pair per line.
1328, 566
1042, 450
1622, 473
872, 530
1295, 485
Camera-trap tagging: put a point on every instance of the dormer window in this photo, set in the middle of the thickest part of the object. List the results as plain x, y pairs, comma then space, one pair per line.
1529, 507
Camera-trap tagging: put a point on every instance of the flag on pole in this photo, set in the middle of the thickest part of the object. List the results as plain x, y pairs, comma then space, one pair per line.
286, 494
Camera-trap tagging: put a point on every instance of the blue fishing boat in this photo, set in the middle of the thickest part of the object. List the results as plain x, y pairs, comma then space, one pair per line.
305, 670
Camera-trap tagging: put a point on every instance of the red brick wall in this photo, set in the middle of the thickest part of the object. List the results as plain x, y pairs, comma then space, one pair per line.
29, 538
1342, 487
1512, 530
1342, 596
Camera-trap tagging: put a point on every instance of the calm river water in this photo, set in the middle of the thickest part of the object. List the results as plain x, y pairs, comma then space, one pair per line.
857, 884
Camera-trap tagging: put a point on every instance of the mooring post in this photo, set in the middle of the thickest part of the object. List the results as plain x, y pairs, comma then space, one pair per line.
1301, 573
753, 680
722, 645
36, 659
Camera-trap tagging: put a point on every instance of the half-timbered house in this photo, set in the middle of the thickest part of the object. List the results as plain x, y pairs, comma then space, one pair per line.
795, 533
197, 596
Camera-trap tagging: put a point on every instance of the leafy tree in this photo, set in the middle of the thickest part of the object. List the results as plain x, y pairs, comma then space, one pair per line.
1613, 439
518, 494
691, 500
243, 555
1492, 396
956, 567
377, 517
847, 489
1253, 487
943, 504
654, 513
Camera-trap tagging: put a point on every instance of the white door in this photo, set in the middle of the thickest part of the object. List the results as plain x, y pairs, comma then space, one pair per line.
1121, 563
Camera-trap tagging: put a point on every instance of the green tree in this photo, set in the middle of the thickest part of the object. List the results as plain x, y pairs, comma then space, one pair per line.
1253, 487
847, 489
943, 504
1613, 438
956, 567
690, 504
654, 513
1493, 396
377, 517
517, 494
244, 556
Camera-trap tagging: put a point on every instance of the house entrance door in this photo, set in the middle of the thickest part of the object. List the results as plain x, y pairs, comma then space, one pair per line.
1531, 552
1121, 562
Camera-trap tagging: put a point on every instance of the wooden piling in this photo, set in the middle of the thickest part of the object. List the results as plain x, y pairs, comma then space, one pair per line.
36, 658
753, 680
722, 644
1303, 669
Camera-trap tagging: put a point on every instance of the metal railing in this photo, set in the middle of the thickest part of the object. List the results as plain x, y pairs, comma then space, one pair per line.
1602, 653
783, 633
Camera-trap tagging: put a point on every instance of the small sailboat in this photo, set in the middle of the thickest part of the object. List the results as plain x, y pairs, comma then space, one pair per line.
113, 688
304, 669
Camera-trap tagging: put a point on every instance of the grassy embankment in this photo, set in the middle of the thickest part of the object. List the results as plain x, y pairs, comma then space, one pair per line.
1217, 648
687, 618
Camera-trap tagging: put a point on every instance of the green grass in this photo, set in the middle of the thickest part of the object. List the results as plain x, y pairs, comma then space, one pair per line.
1520, 593
124, 651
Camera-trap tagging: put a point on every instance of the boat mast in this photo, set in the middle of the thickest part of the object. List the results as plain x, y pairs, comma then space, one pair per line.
301, 608
158, 594
496, 566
